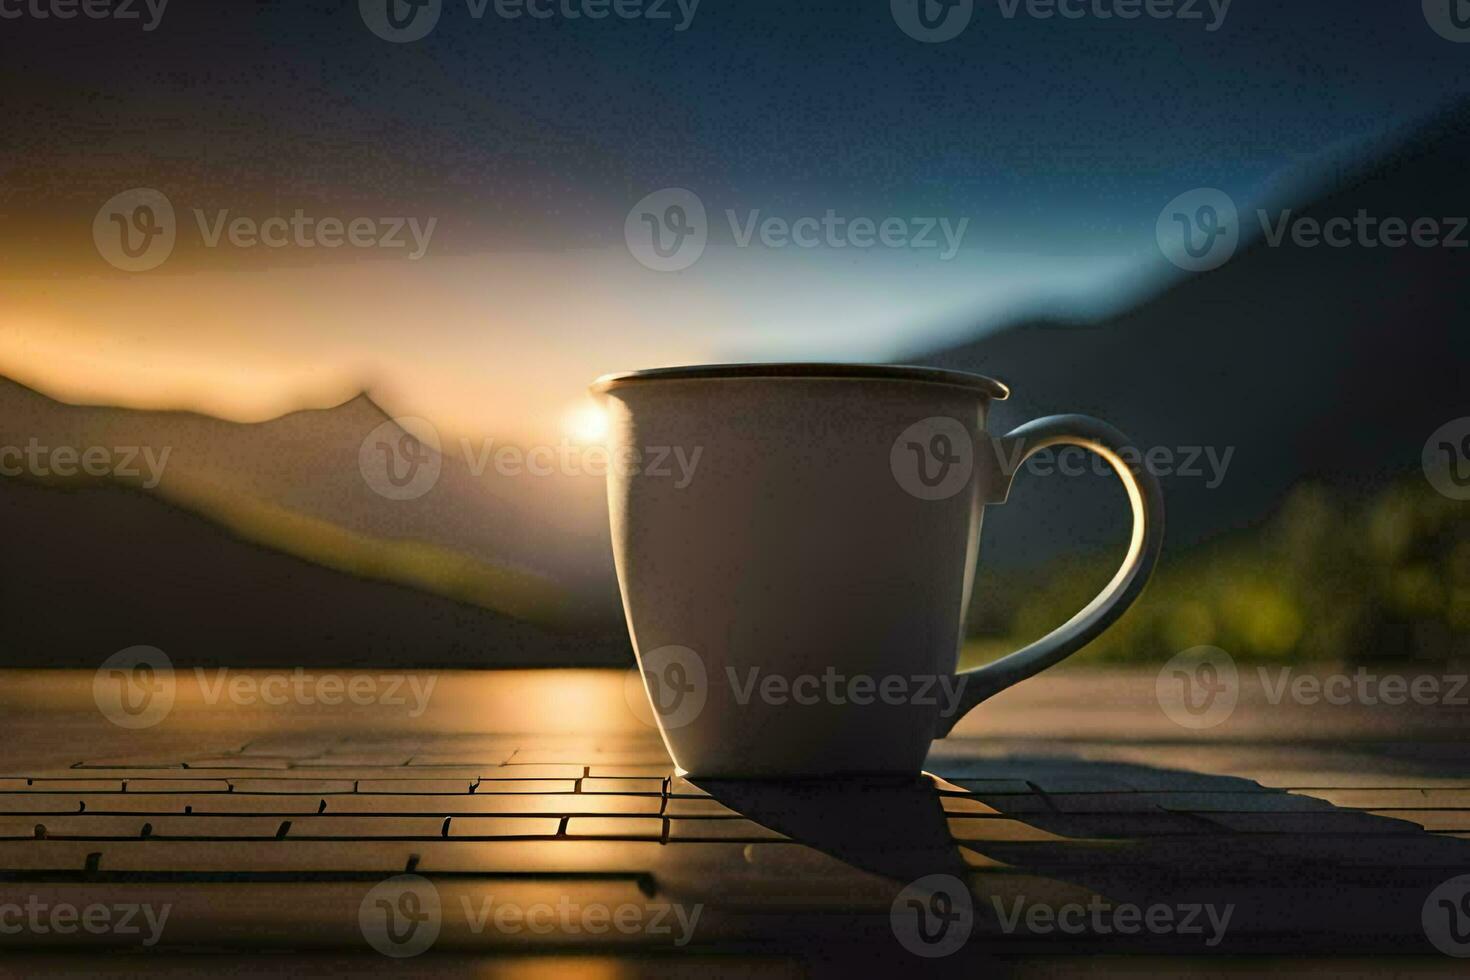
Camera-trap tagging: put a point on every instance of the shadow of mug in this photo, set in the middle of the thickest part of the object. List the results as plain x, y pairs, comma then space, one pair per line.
1279, 871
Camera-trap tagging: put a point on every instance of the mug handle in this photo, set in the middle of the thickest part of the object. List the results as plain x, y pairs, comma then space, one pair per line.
1147, 502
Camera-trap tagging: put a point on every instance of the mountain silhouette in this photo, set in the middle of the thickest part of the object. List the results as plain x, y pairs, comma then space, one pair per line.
1328, 364
267, 543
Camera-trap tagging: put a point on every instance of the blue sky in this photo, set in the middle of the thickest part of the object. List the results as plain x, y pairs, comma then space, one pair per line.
1056, 141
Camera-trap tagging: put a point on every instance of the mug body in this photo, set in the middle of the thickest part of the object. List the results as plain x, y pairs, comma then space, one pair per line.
796, 573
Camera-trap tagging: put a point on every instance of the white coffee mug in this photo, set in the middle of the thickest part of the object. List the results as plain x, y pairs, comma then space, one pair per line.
796, 589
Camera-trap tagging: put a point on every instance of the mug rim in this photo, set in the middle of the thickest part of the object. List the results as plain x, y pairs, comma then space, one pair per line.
806, 370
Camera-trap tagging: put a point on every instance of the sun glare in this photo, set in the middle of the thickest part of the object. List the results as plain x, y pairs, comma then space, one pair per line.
587, 423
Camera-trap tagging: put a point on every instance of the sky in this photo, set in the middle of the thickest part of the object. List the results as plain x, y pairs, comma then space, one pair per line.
831, 181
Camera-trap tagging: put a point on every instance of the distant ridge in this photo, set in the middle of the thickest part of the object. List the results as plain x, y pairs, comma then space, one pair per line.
287, 501
1327, 364
95, 568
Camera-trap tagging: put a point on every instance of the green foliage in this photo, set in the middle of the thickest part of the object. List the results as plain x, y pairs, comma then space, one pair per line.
1326, 578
